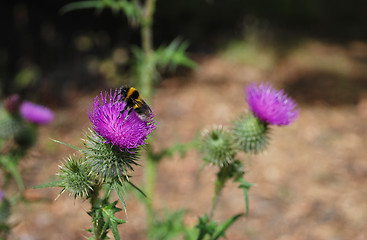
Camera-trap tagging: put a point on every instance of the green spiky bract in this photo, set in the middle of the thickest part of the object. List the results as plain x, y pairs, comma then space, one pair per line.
108, 163
250, 134
10, 124
74, 178
217, 147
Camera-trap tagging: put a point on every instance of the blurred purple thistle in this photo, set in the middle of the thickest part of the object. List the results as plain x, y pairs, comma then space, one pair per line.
1, 195
36, 113
126, 134
271, 105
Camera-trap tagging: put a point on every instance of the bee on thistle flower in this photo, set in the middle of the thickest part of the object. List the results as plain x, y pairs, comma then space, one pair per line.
125, 129
134, 102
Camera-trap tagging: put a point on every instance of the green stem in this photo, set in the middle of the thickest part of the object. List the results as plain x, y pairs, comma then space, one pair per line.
150, 184
146, 88
146, 81
219, 185
95, 204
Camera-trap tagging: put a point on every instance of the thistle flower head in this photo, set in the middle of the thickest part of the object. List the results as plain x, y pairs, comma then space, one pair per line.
217, 147
270, 105
36, 113
112, 126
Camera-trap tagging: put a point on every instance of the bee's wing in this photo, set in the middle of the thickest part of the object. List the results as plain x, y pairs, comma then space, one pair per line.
142, 104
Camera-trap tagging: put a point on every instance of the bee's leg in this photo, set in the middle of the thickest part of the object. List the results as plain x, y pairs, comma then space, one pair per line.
123, 110
128, 114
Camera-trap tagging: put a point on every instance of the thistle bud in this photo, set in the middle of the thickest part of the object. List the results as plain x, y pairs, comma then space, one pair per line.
217, 147
74, 178
10, 124
250, 134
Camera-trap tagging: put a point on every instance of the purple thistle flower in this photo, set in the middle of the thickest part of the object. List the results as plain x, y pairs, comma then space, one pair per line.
126, 134
1, 195
271, 105
36, 113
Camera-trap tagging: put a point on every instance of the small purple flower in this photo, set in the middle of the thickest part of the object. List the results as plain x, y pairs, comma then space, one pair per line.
270, 105
36, 113
108, 123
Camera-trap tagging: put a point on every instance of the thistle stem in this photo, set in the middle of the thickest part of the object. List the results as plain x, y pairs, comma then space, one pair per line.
146, 86
94, 201
146, 80
219, 185
150, 184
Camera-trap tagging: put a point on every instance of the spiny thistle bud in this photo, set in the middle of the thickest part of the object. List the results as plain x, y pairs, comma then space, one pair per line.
12, 103
27, 136
10, 124
74, 178
107, 162
217, 147
250, 134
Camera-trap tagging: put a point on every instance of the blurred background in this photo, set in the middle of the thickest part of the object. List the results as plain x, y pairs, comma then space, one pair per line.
310, 183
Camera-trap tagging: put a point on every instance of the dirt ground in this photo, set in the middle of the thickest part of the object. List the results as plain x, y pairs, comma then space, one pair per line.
310, 183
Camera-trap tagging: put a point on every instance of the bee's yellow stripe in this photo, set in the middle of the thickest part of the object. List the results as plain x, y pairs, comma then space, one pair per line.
130, 91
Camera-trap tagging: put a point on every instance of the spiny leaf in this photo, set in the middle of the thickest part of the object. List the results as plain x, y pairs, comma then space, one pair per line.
120, 191
50, 184
245, 187
221, 229
108, 213
10, 165
81, 5
66, 144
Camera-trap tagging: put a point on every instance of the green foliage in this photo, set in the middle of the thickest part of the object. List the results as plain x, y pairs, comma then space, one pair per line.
130, 8
5, 211
9, 164
104, 219
174, 55
27, 76
164, 58
211, 230
169, 227
245, 186
180, 148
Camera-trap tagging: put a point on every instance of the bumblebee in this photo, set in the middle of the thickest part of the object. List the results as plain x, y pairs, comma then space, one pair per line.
134, 102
